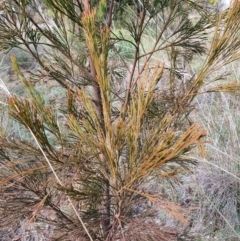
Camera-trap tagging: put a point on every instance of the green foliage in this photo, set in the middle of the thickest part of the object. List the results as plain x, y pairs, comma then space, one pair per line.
91, 158
213, 1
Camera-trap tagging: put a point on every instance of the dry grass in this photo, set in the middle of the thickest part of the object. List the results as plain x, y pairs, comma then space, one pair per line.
214, 188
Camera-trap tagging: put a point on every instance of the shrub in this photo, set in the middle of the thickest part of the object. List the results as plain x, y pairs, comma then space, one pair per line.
87, 164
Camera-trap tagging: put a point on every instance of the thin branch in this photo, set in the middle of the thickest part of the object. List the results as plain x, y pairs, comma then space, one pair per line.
86, 73
110, 14
138, 41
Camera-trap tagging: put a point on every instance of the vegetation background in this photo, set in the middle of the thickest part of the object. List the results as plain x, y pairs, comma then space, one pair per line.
119, 120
